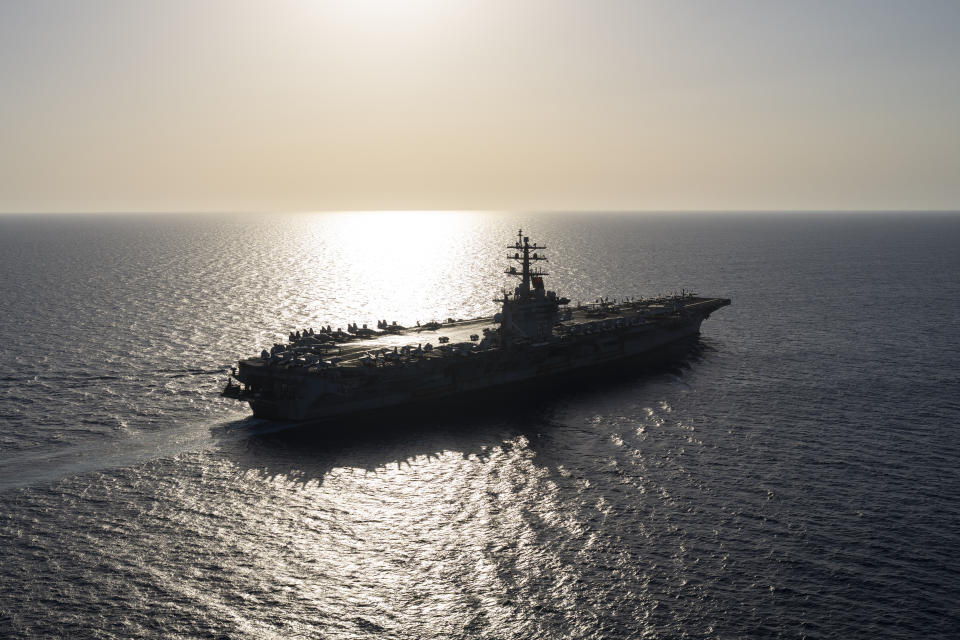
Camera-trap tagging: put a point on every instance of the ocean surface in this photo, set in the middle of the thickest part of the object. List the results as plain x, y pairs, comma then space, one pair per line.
794, 476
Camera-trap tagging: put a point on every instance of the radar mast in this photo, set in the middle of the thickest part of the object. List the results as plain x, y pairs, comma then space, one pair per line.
530, 314
525, 253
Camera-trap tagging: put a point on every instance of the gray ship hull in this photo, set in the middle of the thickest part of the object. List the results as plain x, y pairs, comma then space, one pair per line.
302, 397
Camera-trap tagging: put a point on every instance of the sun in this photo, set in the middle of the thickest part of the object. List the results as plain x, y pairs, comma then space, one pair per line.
383, 15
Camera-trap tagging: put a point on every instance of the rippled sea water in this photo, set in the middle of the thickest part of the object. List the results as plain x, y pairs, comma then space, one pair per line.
794, 476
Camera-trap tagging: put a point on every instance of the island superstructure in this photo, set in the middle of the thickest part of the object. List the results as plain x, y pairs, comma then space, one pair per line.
330, 374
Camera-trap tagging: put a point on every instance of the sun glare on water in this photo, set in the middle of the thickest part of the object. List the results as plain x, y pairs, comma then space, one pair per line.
402, 265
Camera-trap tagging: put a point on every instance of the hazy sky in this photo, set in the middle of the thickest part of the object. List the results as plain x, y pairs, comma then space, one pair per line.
131, 105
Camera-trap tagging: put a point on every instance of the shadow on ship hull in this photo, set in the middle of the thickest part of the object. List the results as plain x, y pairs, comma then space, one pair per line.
533, 397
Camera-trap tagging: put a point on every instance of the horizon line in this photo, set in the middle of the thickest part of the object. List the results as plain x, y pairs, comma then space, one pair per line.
455, 211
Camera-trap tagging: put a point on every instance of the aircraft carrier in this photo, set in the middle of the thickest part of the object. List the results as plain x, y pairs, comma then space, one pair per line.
333, 374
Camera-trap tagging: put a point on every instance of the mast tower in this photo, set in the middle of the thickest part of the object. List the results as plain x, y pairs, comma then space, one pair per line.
526, 253
532, 311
